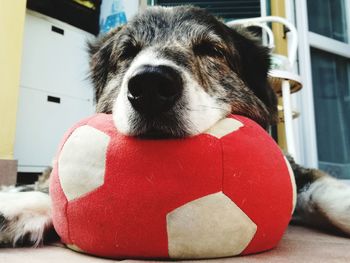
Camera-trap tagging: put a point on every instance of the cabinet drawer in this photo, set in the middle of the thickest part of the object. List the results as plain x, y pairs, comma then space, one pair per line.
42, 119
54, 57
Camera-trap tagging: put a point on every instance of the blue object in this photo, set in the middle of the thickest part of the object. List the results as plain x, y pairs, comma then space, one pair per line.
112, 15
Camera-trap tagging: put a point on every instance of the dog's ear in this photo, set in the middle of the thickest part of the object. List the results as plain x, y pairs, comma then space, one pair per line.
100, 51
254, 64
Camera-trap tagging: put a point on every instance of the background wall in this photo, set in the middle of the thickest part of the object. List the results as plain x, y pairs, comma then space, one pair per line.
11, 25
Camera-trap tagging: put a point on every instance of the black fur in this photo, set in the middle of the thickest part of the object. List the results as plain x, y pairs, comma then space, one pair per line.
304, 177
254, 66
101, 61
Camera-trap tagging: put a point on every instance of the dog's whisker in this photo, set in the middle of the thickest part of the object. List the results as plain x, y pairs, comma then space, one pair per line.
205, 107
212, 107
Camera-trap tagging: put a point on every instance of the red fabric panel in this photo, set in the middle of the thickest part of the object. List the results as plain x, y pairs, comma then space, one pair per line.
256, 178
59, 206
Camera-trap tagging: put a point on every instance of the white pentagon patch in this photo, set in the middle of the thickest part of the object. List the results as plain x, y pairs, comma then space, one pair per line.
224, 127
208, 227
81, 164
292, 179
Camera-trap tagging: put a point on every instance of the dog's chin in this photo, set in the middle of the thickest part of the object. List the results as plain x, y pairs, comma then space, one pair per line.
167, 126
155, 134
162, 130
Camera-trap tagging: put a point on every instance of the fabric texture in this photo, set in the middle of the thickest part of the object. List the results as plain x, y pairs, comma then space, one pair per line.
146, 180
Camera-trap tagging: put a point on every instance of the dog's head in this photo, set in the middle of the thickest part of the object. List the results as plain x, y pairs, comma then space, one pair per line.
176, 71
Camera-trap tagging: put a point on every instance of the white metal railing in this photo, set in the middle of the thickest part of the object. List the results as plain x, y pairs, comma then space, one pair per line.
285, 76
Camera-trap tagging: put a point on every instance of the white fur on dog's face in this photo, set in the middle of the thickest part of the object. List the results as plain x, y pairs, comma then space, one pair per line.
200, 112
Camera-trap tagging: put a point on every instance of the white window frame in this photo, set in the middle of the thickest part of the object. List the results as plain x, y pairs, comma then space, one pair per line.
305, 128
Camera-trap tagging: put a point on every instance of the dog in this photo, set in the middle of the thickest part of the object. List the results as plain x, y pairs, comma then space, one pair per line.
174, 72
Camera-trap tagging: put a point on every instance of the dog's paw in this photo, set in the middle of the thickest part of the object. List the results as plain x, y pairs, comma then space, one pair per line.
25, 217
326, 203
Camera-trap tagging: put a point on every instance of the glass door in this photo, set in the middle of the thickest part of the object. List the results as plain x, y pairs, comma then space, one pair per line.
328, 35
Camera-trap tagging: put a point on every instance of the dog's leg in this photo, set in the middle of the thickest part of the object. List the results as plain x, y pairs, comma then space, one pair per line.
25, 213
323, 201
24, 218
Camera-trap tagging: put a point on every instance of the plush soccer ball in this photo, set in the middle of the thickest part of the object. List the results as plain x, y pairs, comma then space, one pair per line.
226, 192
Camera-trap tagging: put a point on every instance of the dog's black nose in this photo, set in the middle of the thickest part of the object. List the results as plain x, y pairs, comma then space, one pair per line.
154, 89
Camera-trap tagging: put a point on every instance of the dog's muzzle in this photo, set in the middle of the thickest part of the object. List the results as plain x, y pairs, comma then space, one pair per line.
154, 89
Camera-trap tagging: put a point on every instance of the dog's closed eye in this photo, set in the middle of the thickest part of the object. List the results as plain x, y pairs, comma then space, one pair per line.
129, 50
207, 48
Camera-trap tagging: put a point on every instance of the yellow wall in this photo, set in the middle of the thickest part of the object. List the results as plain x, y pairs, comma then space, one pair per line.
278, 9
12, 13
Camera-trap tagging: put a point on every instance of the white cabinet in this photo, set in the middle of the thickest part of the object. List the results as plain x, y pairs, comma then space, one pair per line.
54, 57
54, 90
41, 125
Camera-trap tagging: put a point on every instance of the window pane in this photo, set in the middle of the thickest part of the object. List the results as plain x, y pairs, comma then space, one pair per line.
331, 83
328, 18
227, 9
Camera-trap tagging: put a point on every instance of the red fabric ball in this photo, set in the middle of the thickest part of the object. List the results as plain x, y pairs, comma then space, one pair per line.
226, 192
